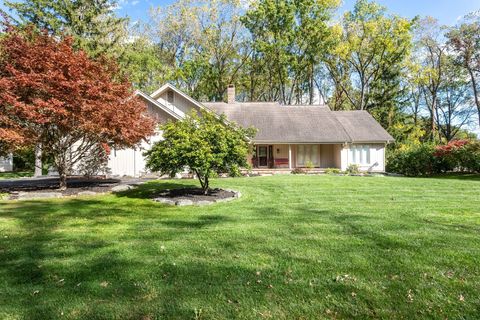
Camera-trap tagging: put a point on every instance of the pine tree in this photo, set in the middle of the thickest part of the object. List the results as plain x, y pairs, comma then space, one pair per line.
93, 24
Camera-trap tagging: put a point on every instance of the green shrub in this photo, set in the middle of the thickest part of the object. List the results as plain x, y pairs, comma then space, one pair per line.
298, 171
417, 161
309, 165
428, 159
460, 155
353, 169
333, 171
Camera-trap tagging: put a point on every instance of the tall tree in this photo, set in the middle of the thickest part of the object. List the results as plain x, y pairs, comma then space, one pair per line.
55, 96
202, 42
431, 53
291, 37
93, 24
455, 105
142, 63
374, 46
464, 39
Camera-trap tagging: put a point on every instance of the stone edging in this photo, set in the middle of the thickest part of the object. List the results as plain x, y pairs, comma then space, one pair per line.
24, 195
187, 202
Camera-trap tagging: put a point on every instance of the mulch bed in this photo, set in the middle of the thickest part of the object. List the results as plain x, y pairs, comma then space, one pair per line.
74, 184
189, 196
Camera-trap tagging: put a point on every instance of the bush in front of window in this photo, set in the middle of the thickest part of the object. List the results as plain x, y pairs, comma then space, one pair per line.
309, 165
353, 169
298, 171
333, 171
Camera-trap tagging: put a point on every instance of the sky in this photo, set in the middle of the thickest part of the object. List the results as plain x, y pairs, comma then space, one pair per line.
446, 11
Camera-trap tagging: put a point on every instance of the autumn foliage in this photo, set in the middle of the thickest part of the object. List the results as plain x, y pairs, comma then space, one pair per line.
55, 96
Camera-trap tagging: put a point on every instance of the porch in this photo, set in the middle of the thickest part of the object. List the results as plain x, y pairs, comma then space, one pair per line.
285, 157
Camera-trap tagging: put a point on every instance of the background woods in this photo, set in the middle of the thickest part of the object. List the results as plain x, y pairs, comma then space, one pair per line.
419, 79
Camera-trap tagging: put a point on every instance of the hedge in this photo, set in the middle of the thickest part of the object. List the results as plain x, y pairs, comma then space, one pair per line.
428, 159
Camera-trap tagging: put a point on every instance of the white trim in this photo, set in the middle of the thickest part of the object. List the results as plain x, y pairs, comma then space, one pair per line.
290, 156
166, 86
158, 104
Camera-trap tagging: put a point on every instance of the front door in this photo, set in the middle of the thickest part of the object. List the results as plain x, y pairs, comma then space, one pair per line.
262, 156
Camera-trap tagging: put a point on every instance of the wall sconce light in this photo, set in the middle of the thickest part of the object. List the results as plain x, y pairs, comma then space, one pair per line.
278, 150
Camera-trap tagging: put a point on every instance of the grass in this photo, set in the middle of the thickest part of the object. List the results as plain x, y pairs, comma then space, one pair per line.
15, 174
296, 247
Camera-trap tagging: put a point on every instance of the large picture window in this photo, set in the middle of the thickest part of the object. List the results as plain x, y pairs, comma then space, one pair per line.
307, 154
360, 154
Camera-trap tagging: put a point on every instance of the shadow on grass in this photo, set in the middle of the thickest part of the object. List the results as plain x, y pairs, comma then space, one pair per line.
48, 270
456, 176
123, 273
150, 189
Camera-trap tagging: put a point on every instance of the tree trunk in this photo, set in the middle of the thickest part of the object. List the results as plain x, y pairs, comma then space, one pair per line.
38, 161
206, 185
63, 180
475, 92
310, 89
203, 181
433, 111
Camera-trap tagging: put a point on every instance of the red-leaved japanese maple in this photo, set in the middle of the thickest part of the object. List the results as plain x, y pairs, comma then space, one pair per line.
53, 95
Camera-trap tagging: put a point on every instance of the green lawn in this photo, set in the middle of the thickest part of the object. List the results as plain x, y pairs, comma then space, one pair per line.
296, 247
15, 174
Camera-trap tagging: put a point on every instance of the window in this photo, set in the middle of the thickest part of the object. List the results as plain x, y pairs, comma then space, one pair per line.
308, 154
360, 154
170, 96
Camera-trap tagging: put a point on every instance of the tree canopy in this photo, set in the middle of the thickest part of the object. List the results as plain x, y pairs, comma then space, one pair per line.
419, 79
205, 143
56, 96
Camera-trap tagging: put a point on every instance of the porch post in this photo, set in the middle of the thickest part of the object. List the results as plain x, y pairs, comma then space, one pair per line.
290, 156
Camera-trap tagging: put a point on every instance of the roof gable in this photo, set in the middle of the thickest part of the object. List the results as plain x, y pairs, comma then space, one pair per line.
157, 104
155, 95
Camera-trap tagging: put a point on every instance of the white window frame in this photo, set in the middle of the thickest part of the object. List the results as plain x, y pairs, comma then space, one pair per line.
360, 154
308, 152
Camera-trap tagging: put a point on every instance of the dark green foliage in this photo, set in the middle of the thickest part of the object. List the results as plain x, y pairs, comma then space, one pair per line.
417, 161
205, 144
353, 169
24, 159
461, 155
428, 159
299, 171
93, 24
333, 171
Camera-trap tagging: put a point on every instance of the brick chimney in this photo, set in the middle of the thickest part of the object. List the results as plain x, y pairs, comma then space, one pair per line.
231, 93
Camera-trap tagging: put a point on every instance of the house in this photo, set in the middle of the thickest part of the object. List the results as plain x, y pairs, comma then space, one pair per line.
288, 137
6, 163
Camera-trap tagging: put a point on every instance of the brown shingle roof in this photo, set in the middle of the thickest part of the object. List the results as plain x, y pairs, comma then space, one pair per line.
303, 124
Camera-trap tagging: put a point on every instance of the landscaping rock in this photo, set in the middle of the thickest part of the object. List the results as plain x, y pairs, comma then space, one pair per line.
184, 202
38, 195
225, 200
121, 188
195, 196
204, 203
165, 201
87, 193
